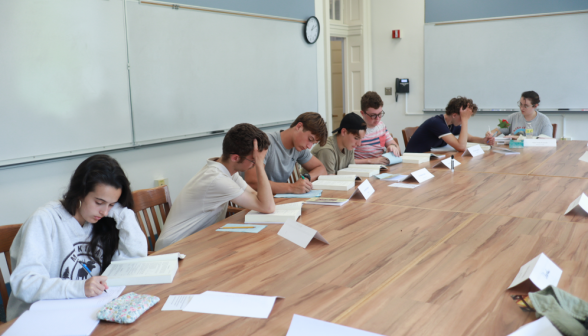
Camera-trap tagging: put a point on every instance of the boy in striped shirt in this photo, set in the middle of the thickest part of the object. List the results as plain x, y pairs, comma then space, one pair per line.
377, 140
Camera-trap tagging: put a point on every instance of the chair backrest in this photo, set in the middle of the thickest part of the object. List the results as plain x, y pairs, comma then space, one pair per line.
146, 200
295, 174
554, 130
7, 234
407, 134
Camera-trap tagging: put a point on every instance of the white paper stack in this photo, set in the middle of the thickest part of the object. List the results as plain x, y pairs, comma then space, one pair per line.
282, 213
334, 182
361, 172
419, 158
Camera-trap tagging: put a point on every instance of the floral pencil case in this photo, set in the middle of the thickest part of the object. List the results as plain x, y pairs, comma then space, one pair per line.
127, 308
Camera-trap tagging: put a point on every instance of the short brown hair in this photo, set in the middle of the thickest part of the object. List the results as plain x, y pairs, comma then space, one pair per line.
313, 122
371, 99
239, 140
455, 104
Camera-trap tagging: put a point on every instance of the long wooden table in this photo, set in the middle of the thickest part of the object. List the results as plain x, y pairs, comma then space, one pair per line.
436, 259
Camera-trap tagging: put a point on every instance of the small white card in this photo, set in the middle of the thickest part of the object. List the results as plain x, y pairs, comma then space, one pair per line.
540, 327
306, 326
584, 157
404, 185
420, 176
365, 189
540, 142
299, 234
581, 202
541, 271
473, 151
447, 163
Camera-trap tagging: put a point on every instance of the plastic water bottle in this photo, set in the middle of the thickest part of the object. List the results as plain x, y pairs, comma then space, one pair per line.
529, 131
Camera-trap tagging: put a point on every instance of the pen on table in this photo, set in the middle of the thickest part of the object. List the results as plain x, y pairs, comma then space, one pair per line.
451, 163
90, 273
238, 227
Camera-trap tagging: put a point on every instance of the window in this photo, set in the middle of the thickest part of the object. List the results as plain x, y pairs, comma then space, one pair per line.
335, 10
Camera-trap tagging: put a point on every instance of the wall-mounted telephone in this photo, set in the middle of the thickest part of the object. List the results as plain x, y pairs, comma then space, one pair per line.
402, 86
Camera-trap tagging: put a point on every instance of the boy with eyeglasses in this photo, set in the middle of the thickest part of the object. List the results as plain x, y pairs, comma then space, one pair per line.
377, 139
291, 146
441, 130
204, 200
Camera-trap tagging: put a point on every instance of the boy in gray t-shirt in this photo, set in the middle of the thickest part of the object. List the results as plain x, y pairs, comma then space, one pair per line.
291, 146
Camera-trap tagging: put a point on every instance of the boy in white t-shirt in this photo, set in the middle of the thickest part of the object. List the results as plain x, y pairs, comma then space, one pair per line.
204, 200
377, 140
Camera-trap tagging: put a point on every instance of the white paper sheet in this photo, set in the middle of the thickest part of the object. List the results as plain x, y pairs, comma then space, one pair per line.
306, 326
473, 151
581, 201
584, 157
422, 175
404, 185
177, 302
53, 323
62, 317
540, 327
244, 305
365, 189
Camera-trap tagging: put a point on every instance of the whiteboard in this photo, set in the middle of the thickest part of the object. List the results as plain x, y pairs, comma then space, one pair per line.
493, 62
64, 80
194, 72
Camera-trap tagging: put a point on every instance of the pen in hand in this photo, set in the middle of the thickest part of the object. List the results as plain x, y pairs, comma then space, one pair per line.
89, 272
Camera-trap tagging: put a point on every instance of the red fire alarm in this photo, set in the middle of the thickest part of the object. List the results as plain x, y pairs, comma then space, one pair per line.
396, 33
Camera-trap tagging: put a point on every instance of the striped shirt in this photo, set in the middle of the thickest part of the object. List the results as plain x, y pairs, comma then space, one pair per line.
374, 143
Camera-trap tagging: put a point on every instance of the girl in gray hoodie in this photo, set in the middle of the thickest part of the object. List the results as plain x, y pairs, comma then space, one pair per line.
91, 226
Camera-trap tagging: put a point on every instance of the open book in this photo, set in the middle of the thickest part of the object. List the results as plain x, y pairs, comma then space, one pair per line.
282, 213
334, 182
143, 271
420, 157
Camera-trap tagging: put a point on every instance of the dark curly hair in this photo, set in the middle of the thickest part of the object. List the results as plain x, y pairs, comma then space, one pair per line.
532, 96
455, 104
371, 99
239, 140
313, 122
99, 169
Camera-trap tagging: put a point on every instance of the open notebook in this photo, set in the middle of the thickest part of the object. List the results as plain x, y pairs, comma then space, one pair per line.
143, 271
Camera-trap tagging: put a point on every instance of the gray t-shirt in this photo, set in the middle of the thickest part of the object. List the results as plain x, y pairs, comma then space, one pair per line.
279, 161
518, 124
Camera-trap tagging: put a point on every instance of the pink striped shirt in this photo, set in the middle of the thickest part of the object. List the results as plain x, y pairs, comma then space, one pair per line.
374, 143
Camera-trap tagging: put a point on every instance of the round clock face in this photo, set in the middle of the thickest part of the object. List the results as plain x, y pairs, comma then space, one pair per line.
312, 30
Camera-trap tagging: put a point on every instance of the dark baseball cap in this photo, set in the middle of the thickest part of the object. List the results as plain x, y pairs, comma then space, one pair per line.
352, 121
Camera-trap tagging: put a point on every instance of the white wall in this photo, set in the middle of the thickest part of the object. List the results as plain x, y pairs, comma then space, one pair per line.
404, 58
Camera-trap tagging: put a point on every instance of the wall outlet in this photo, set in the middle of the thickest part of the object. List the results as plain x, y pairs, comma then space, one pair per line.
388, 91
161, 182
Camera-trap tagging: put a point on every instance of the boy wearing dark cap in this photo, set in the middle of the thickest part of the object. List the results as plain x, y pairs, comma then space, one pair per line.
338, 152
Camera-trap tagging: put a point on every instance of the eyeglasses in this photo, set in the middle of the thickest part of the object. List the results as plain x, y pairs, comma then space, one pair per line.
375, 116
250, 161
525, 105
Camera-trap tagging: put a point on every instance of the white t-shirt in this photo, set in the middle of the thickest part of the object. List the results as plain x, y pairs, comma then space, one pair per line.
201, 203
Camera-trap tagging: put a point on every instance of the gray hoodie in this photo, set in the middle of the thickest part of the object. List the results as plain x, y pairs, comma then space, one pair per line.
49, 249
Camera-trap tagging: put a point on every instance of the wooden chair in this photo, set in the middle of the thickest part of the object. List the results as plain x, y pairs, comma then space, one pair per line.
407, 134
295, 176
7, 234
554, 130
146, 200
233, 209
